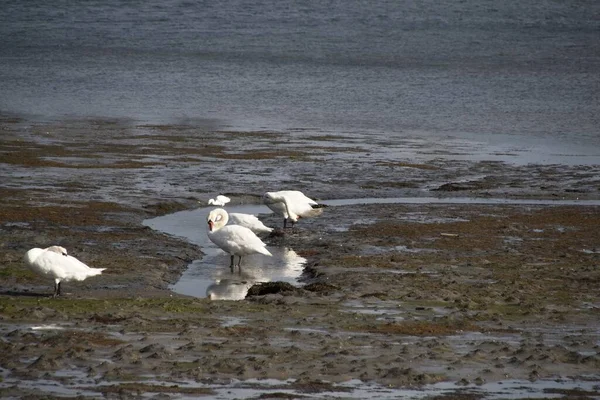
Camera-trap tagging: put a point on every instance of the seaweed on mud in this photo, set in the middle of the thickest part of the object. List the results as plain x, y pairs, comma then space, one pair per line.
79, 213
164, 208
316, 386
280, 396
261, 289
100, 309
74, 337
321, 288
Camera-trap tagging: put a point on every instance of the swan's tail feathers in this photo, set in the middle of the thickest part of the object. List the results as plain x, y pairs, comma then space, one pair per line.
263, 230
265, 252
95, 271
314, 212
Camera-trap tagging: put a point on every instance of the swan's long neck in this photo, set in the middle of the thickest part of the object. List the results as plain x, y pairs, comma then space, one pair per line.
220, 220
288, 209
275, 197
224, 219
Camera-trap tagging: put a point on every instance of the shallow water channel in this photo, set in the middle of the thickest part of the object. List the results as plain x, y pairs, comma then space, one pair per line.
211, 276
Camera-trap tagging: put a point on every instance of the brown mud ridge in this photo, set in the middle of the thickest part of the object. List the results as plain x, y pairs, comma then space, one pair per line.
400, 295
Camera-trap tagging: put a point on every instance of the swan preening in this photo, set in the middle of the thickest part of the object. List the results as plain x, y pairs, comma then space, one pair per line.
220, 200
239, 238
54, 262
250, 221
291, 205
233, 239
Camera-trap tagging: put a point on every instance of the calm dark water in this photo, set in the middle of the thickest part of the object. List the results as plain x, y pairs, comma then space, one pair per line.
526, 69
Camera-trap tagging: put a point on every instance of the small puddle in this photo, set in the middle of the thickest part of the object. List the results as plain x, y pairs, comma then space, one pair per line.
211, 276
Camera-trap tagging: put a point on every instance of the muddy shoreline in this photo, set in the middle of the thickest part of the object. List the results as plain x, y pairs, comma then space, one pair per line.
399, 295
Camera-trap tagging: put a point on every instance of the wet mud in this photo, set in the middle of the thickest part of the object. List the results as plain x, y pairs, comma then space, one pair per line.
394, 298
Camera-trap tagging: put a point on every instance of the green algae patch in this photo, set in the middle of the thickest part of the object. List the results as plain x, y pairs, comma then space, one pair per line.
78, 213
14, 271
69, 338
116, 310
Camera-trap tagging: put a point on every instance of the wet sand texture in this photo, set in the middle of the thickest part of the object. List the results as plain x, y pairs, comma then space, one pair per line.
400, 295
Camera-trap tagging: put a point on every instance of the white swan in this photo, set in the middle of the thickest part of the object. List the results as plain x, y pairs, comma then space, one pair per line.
233, 239
53, 261
291, 204
219, 201
249, 221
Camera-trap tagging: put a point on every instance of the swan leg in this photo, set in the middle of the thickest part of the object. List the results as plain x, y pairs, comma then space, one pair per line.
232, 265
56, 288
284, 223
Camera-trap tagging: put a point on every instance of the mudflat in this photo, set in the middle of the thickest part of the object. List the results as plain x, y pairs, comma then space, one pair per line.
424, 299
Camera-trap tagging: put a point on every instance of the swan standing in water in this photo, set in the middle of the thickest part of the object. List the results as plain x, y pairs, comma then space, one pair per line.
53, 261
233, 239
219, 201
291, 204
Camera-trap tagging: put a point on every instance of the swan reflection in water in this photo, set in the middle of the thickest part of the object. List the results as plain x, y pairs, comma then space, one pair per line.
228, 289
285, 265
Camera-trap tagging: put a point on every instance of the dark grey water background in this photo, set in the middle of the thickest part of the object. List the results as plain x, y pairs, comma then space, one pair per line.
508, 71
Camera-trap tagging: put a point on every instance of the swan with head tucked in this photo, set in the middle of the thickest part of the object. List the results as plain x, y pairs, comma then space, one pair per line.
249, 221
220, 200
233, 239
291, 204
54, 262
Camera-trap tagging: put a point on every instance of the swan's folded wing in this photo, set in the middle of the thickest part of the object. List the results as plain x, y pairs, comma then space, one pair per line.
249, 221
245, 240
300, 197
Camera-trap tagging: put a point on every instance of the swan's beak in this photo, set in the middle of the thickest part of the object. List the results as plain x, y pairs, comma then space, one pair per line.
210, 225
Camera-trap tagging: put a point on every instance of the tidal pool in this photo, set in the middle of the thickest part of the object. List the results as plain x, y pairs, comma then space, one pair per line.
211, 276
